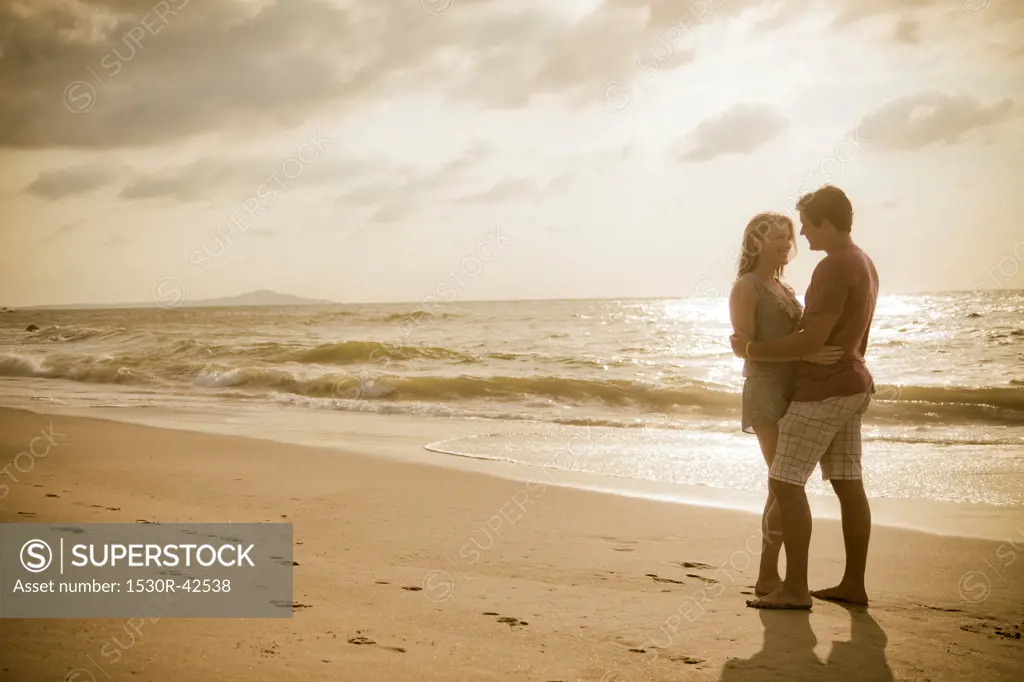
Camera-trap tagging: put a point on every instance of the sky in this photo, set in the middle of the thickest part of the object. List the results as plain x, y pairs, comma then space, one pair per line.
370, 150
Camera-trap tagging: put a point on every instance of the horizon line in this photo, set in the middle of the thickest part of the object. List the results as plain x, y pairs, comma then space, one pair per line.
137, 305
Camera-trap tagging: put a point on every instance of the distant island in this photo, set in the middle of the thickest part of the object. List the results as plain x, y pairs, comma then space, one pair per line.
263, 297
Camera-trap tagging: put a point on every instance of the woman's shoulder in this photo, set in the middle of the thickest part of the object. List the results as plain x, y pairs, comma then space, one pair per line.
745, 285
748, 279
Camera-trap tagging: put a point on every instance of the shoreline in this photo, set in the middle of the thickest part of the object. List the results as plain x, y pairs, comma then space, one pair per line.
409, 439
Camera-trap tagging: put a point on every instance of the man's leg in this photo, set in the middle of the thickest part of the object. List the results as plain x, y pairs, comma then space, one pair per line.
856, 511
842, 466
805, 433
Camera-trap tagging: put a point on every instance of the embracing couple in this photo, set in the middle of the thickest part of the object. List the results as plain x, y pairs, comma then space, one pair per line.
806, 387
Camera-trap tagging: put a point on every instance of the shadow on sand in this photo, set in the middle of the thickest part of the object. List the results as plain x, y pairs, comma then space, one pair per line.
788, 651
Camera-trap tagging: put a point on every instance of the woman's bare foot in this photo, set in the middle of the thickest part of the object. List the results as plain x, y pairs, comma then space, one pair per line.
843, 594
765, 586
782, 599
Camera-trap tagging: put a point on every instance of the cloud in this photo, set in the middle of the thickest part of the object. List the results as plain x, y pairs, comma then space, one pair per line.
64, 230
848, 14
414, 184
741, 129
508, 188
65, 182
924, 118
782, 15
195, 181
997, 18
119, 73
513, 188
907, 32
211, 178
392, 211
1004, 12
116, 75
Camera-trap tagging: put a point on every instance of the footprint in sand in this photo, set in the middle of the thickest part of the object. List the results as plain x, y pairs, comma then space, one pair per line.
688, 660
655, 578
692, 564
361, 640
1001, 631
619, 541
702, 578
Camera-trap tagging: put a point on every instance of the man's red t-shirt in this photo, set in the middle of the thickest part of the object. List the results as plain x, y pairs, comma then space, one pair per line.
844, 283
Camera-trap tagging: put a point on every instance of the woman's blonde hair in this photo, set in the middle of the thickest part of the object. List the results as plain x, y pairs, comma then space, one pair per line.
756, 234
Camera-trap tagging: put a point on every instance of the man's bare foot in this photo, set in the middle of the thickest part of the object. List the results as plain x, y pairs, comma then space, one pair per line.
782, 599
843, 594
766, 586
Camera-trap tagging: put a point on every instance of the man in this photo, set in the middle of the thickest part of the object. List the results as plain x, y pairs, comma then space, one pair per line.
823, 423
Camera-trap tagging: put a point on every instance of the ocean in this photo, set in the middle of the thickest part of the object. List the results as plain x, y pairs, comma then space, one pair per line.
641, 389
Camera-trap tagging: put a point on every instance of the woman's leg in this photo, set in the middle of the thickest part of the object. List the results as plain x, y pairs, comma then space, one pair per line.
768, 578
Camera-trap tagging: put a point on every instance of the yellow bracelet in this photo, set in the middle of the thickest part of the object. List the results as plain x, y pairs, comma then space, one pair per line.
746, 350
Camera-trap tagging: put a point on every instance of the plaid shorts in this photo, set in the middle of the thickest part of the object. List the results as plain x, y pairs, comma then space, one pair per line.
825, 431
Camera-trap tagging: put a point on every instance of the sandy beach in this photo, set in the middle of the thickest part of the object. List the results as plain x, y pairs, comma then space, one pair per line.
413, 572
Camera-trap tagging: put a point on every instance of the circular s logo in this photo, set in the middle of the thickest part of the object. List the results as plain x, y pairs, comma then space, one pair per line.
168, 292
438, 586
975, 6
437, 7
79, 97
974, 587
616, 97
36, 556
706, 292
887, 393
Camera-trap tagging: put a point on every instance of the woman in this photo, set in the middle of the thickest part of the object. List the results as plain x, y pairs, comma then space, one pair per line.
762, 308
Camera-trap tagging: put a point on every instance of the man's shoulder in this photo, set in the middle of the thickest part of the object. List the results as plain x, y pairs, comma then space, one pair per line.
853, 257
860, 253
859, 258
830, 263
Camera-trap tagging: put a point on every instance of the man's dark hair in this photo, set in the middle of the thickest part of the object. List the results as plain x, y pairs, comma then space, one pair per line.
828, 203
